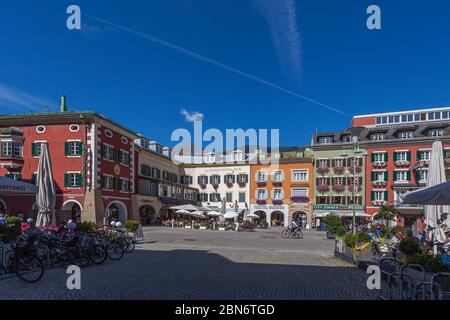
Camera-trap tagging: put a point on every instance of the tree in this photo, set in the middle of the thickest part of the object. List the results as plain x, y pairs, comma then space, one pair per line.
386, 214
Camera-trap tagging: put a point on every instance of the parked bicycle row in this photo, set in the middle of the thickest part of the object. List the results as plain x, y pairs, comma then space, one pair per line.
32, 251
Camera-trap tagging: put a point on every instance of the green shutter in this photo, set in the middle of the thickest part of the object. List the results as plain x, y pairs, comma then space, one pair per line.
395, 156
373, 157
408, 156
386, 196
372, 195
408, 175
418, 155
66, 180
33, 178
79, 180
33, 150
386, 177
120, 182
66, 148
386, 157
373, 176
80, 148
394, 176
102, 147
114, 183
103, 182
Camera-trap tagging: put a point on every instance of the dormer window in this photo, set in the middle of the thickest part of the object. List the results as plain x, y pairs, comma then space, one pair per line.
377, 136
437, 132
406, 135
325, 140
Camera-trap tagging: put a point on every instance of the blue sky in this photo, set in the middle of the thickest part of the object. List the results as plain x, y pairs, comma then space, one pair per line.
239, 63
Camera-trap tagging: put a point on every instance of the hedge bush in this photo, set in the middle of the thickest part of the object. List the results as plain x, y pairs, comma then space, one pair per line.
86, 226
132, 225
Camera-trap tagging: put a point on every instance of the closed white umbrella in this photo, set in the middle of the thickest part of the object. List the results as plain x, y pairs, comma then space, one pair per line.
46, 196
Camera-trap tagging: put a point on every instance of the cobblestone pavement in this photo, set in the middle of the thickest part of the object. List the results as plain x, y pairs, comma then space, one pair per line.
199, 264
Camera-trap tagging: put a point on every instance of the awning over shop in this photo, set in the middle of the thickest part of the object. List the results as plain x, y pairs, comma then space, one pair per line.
10, 186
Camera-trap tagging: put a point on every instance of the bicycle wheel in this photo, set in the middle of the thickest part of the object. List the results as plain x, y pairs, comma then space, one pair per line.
29, 269
131, 245
115, 250
79, 257
300, 234
285, 234
98, 254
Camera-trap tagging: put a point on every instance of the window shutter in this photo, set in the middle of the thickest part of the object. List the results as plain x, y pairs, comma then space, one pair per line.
408, 175
66, 148
103, 182
394, 175
419, 155
102, 147
120, 182
385, 175
373, 176
80, 148
385, 196
372, 195
386, 157
373, 157
408, 156
79, 180
395, 156
113, 183
33, 178
33, 150
66, 180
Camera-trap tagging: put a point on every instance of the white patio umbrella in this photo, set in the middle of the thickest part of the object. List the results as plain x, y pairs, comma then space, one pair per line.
46, 196
230, 215
182, 211
188, 207
198, 214
252, 216
214, 213
436, 182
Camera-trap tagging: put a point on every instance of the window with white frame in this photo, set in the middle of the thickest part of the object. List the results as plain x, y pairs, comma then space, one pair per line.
323, 163
108, 182
378, 157
299, 175
277, 194
277, 176
73, 148
339, 162
325, 140
377, 136
378, 195
73, 180
423, 175
338, 181
322, 181
7, 149
379, 176
402, 156
124, 185
401, 176
261, 194
107, 152
261, 176
203, 197
424, 155
124, 157
437, 132
299, 192
406, 135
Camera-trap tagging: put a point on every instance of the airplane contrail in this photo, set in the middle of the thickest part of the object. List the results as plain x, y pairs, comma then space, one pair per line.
214, 63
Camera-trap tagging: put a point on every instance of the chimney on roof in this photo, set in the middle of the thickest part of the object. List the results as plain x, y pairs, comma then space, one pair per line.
63, 104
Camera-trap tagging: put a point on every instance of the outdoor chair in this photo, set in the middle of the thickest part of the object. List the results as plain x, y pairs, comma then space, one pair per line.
440, 286
413, 282
389, 268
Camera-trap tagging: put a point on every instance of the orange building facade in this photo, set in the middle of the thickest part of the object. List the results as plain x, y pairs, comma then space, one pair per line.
281, 192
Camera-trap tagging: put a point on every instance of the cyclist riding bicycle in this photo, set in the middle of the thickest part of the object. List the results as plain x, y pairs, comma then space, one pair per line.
296, 224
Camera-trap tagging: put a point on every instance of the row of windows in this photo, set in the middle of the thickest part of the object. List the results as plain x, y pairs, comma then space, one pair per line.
228, 178
339, 162
167, 176
421, 155
341, 181
413, 117
399, 176
112, 154
216, 197
278, 193
112, 183
11, 149
339, 200
297, 175
72, 128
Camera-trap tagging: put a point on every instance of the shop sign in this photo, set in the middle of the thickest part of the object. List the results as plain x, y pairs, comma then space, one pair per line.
336, 207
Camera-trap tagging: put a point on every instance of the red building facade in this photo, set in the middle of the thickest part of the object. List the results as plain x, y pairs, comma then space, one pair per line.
91, 156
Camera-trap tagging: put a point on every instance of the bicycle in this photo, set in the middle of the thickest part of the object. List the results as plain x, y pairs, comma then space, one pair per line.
291, 232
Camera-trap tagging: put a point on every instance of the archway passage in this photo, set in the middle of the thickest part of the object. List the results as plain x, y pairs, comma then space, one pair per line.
302, 216
277, 219
116, 211
147, 214
72, 210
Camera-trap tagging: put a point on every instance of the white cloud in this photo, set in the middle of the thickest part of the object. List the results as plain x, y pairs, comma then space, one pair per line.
191, 116
15, 99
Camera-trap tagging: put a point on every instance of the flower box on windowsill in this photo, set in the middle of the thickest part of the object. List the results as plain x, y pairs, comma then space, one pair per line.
338, 188
379, 183
339, 170
261, 184
202, 186
401, 163
358, 188
323, 188
426, 163
277, 183
299, 199
357, 169
242, 184
380, 164
215, 185
261, 202
229, 184
323, 170
277, 202
379, 203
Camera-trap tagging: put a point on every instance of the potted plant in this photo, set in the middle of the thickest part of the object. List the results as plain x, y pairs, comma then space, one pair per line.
277, 184
261, 202
202, 186
386, 214
338, 188
132, 226
277, 202
323, 170
339, 170
261, 184
323, 188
